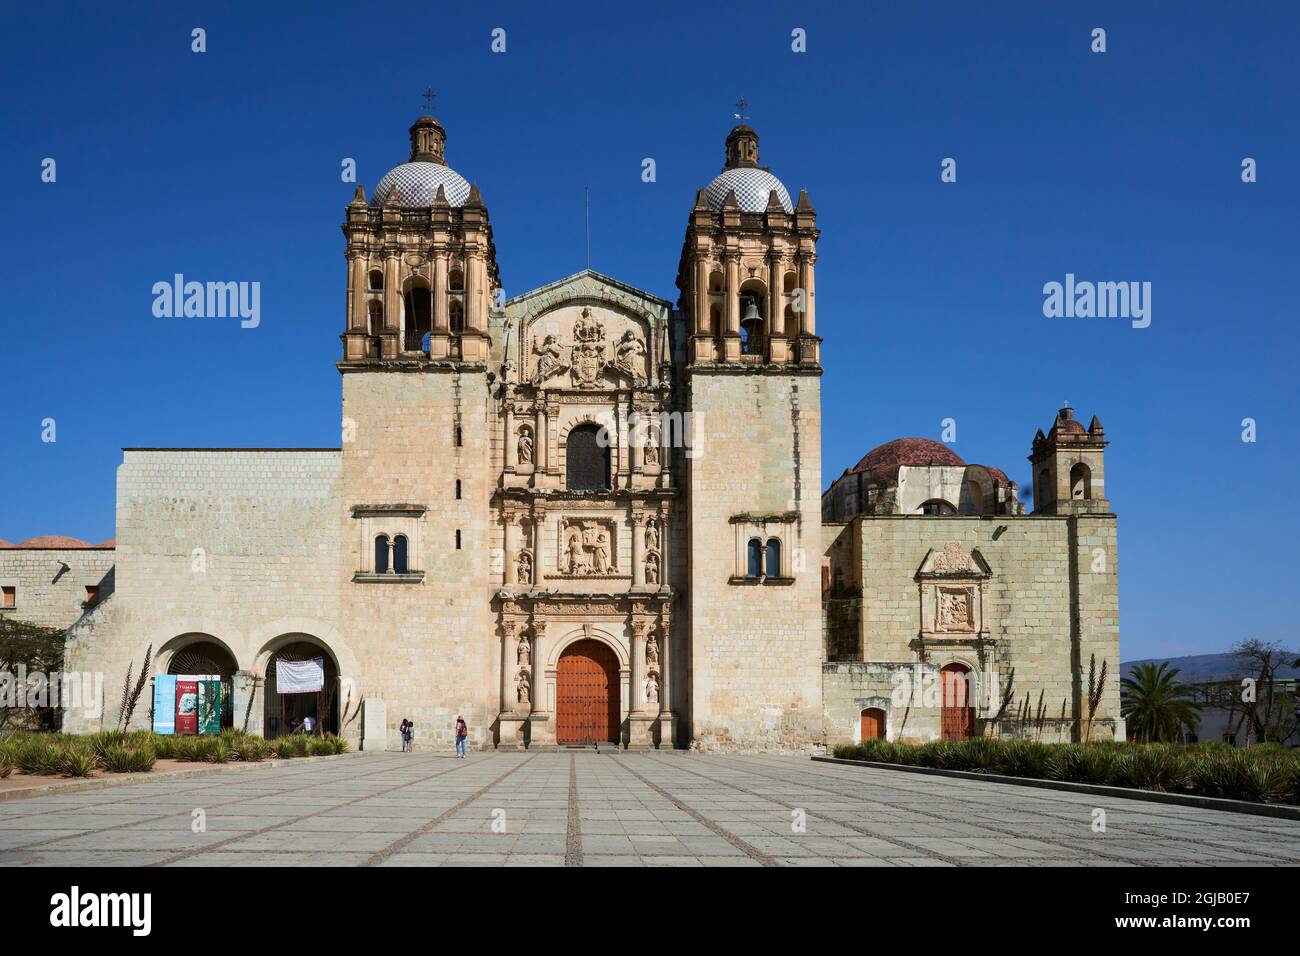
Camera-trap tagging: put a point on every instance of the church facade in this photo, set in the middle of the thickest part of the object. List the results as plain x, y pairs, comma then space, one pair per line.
590, 515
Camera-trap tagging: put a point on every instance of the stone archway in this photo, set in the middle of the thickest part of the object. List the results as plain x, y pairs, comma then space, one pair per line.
206, 657
587, 694
283, 712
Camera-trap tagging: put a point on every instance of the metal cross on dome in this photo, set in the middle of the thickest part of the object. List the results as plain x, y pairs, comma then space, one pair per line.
741, 105
428, 95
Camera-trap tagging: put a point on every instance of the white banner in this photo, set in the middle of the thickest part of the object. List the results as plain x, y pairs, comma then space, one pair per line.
299, 677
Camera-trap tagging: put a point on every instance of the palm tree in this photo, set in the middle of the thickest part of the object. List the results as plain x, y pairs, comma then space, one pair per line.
1156, 704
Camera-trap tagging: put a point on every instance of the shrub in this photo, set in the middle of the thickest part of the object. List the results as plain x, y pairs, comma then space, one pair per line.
78, 764
6, 767
39, 756
116, 758
1024, 758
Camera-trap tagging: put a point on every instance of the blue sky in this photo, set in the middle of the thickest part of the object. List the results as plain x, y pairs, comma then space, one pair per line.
1121, 166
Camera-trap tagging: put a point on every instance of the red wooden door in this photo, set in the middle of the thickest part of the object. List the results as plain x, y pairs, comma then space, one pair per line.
586, 694
958, 716
873, 724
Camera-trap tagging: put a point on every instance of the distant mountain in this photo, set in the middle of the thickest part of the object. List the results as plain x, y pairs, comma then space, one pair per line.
1202, 668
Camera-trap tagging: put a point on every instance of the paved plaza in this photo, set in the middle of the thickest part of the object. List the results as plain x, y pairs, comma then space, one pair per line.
613, 809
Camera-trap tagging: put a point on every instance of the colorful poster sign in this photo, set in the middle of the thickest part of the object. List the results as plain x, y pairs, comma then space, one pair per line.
187, 707
209, 706
164, 704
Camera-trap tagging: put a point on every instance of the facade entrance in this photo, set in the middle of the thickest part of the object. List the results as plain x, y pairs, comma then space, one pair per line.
873, 724
586, 694
958, 716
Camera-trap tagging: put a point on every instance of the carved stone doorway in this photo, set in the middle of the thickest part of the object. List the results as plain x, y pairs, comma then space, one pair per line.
587, 694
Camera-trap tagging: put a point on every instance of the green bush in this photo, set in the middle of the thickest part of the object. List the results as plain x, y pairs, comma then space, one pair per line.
78, 764
6, 767
1266, 773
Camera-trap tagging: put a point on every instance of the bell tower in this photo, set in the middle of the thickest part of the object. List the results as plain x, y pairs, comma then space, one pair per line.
753, 468
1070, 467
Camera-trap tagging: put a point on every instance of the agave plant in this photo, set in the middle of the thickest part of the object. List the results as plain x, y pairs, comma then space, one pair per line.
6, 767
1156, 704
78, 764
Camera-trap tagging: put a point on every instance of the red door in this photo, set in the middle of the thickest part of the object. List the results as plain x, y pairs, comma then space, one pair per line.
958, 716
873, 724
586, 694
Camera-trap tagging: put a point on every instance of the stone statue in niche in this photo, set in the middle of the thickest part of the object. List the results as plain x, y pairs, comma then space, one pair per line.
651, 535
652, 688
523, 692
652, 448
587, 549
524, 651
652, 569
524, 568
525, 446
549, 358
652, 650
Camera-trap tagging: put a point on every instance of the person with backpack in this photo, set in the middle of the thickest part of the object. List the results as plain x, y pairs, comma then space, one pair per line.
408, 733
462, 731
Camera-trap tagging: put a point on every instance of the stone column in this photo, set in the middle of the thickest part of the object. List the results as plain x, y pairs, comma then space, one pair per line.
663, 549
541, 456
701, 297
512, 449
635, 438
508, 577
440, 291
638, 550
357, 290
776, 314
808, 320
509, 635
637, 660
392, 300
539, 526
733, 294
538, 693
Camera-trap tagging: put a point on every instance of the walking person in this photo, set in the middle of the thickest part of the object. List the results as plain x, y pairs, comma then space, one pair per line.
462, 731
408, 733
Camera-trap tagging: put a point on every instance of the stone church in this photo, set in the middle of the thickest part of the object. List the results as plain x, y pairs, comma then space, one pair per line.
591, 515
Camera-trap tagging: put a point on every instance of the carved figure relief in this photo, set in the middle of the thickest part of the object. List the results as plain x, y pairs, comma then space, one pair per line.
524, 568
588, 548
652, 569
955, 610
652, 447
652, 650
631, 354
524, 651
588, 350
651, 535
525, 446
549, 358
652, 688
524, 688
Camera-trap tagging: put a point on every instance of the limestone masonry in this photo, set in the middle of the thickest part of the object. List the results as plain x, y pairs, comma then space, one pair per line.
588, 515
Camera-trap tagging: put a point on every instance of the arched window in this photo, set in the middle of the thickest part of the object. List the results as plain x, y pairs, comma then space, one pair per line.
419, 312
754, 566
381, 554
937, 506
586, 460
1081, 482
456, 316
376, 281
753, 317
399, 554
773, 569
456, 281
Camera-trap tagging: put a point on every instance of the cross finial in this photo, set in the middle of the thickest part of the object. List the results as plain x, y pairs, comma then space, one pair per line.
428, 95
741, 106
1067, 404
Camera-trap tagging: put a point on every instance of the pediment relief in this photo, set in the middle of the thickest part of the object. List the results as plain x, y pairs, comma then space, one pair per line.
954, 561
586, 347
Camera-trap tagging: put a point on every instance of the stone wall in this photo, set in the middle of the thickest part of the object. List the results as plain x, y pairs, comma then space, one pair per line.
50, 583
236, 547
756, 648
1051, 603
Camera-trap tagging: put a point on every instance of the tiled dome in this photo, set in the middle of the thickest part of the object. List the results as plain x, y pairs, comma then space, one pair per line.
882, 463
752, 186
53, 541
417, 183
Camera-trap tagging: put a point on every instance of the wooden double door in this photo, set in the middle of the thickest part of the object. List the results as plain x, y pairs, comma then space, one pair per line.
587, 694
957, 718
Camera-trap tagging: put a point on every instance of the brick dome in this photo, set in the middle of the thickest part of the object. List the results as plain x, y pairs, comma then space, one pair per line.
53, 541
881, 464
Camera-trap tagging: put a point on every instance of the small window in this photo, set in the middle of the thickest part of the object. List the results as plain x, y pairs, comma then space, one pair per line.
937, 506
456, 281
457, 539
92, 593
773, 558
458, 436
8, 597
399, 554
376, 316
458, 489
381, 554
755, 563
376, 281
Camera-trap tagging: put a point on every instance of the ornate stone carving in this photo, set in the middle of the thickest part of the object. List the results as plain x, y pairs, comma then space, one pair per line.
651, 535
549, 358
588, 350
652, 688
956, 610
524, 688
631, 354
524, 568
652, 569
588, 548
524, 651
524, 446
652, 650
953, 559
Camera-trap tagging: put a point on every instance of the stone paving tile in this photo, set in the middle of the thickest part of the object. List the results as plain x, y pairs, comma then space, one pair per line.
629, 810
